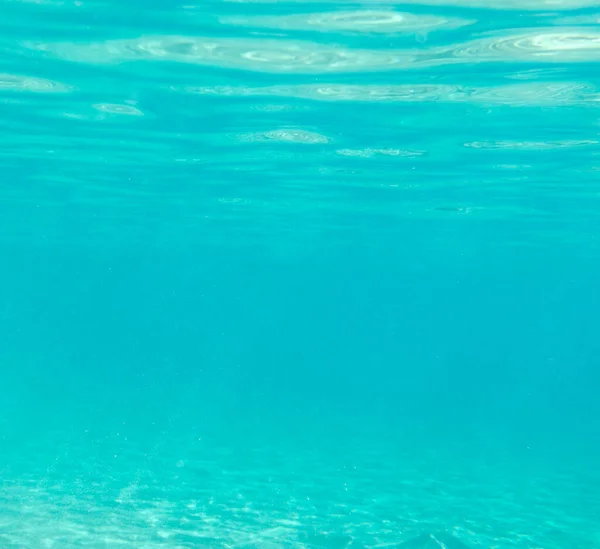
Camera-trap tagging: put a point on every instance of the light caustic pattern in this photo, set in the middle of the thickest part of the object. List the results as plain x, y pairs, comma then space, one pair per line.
285, 496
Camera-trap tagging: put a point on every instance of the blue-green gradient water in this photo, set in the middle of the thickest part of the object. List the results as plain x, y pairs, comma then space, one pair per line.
300, 274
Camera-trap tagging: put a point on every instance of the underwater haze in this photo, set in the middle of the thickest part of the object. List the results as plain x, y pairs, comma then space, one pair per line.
294, 274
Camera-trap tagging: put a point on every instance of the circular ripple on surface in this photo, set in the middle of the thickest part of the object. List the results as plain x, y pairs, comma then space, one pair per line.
19, 83
400, 93
233, 200
529, 145
286, 136
296, 136
282, 56
537, 94
369, 153
536, 5
575, 45
100, 112
537, 74
253, 54
369, 21
530, 93
112, 108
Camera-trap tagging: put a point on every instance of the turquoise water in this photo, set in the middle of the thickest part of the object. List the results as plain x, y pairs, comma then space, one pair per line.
294, 274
